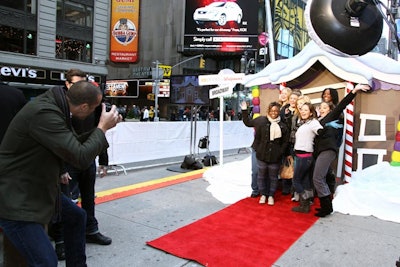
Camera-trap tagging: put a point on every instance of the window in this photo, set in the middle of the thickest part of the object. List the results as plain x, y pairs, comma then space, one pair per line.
74, 39
372, 128
17, 40
18, 30
73, 49
28, 6
368, 157
74, 13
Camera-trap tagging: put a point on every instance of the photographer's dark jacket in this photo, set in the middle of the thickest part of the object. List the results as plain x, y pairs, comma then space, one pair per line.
86, 126
266, 150
32, 153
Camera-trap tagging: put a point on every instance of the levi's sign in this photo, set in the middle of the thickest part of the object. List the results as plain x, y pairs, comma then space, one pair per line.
220, 91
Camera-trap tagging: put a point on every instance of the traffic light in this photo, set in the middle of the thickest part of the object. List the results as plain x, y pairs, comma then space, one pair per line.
202, 63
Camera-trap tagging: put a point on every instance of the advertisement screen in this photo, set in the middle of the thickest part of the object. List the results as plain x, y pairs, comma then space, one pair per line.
185, 90
223, 26
122, 88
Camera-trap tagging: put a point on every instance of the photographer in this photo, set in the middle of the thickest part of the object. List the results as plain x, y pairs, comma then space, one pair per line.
81, 182
37, 142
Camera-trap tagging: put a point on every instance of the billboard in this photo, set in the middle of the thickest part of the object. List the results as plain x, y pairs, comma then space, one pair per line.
185, 90
122, 88
221, 26
124, 31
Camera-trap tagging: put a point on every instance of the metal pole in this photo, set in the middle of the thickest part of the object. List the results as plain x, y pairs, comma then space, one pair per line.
157, 81
221, 131
268, 21
186, 60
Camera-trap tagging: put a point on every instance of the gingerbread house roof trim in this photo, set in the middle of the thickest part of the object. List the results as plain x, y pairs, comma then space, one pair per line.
368, 68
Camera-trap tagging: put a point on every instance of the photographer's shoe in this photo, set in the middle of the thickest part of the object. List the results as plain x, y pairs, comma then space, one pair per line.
98, 238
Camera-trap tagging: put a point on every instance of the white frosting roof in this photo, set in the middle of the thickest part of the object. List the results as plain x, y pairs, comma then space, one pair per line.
362, 69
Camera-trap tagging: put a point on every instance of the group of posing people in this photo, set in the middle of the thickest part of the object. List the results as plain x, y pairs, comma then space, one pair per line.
293, 128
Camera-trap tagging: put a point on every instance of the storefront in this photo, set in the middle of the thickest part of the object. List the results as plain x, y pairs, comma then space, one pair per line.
35, 80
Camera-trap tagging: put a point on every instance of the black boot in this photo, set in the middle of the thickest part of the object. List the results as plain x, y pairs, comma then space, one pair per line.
326, 206
304, 204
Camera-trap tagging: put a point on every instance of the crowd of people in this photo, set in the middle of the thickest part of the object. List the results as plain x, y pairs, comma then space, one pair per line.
295, 128
181, 113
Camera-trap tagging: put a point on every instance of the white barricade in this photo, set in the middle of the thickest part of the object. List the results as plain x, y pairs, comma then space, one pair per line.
142, 141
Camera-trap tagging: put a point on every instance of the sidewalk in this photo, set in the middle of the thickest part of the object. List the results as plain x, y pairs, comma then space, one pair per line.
338, 240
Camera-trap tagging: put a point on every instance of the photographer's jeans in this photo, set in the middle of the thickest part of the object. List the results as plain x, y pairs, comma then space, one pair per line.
32, 241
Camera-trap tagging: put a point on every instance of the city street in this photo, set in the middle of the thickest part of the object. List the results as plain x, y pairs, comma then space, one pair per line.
338, 240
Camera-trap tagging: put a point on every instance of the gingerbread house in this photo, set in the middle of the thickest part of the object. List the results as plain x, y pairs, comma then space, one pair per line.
371, 120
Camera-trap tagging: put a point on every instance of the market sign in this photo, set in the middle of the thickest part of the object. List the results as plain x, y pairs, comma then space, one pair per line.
124, 31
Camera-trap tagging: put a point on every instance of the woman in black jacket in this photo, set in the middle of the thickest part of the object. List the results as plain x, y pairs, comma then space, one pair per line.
326, 148
271, 140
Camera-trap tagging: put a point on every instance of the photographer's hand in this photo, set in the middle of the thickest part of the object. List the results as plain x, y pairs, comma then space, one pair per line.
109, 119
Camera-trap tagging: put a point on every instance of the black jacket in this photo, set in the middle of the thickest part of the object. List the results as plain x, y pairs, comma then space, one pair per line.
327, 136
266, 150
11, 101
86, 126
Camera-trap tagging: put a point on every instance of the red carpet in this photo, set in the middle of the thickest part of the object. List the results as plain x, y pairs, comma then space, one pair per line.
242, 234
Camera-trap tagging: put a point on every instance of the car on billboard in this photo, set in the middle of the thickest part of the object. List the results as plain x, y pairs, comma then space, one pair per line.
219, 12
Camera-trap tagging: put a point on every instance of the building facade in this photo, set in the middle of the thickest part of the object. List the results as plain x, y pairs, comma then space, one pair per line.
41, 39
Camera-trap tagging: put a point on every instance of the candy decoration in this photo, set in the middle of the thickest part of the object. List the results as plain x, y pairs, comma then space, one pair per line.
348, 155
255, 92
256, 101
396, 149
256, 109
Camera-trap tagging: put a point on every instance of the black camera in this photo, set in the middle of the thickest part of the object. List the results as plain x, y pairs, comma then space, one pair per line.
121, 110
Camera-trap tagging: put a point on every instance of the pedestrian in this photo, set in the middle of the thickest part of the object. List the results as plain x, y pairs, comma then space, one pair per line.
37, 142
151, 113
330, 95
287, 113
284, 97
145, 114
271, 140
76, 182
326, 148
11, 101
303, 149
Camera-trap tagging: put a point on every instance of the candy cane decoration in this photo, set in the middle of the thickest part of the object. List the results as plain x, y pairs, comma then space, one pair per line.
348, 156
281, 86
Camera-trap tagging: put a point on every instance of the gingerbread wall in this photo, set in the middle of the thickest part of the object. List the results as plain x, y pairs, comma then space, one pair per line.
379, 102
